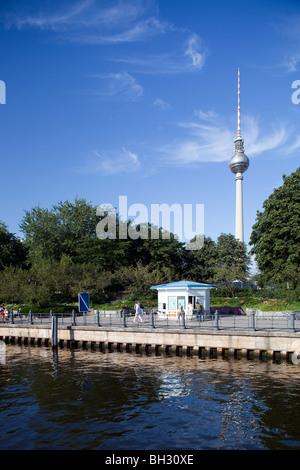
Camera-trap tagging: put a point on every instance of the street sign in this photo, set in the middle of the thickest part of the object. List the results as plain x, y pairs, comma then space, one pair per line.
84, 302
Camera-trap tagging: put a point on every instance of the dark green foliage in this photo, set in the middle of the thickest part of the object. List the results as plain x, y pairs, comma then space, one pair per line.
275, 238
12, 251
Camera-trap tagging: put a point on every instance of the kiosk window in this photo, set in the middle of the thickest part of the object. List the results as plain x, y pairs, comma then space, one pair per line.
171, 303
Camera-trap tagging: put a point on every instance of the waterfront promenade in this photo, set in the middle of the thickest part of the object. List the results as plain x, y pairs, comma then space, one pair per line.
246, 334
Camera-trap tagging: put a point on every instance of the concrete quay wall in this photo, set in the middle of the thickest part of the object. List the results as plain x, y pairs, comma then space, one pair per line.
231, 341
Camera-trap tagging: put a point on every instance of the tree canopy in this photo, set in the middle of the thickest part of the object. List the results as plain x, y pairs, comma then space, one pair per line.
65, 255
275, 235
12, 251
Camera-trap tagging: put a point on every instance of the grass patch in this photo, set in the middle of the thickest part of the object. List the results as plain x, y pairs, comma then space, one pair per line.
265, 305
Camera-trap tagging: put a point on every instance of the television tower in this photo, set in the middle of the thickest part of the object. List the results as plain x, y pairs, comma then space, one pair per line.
238, 164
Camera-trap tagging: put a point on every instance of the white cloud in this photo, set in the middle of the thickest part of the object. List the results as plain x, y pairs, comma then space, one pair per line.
195, 52
110, 163
91, 22
160, 103
213, 140
122, 86
292, 62
136, 32
206, 115
186, 56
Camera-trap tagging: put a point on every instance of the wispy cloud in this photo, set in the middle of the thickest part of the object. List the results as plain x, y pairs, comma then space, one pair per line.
195, 52
92, 22
211, 138
291, 63
113, 162
189, 56
162, 104
137, 32
289, 28
120, 86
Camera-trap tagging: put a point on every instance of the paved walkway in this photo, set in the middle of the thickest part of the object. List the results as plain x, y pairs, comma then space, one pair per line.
245, 322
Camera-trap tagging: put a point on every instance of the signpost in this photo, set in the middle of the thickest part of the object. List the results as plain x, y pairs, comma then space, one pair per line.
84, 302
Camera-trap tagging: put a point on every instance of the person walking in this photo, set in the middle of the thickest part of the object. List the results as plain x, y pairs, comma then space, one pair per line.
190, 311
199, 311
138, 313
180, 312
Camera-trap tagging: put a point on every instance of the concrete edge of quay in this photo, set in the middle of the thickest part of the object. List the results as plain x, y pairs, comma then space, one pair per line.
284, 344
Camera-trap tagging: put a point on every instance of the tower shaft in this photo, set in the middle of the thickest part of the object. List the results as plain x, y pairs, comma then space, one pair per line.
239, 221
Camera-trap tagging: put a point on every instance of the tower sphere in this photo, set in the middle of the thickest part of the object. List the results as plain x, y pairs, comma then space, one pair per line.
239, 163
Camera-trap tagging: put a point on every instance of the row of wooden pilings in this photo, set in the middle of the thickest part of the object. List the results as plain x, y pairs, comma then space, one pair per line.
209, 352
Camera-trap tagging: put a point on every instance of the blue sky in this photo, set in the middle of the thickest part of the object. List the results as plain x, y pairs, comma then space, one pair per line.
139, 98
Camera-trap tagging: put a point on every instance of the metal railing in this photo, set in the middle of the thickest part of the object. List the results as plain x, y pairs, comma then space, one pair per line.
264, 322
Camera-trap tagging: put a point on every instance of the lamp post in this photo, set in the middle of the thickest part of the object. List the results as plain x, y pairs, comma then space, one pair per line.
33, 279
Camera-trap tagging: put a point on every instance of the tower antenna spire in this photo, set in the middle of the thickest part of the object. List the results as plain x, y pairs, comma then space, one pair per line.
239, 107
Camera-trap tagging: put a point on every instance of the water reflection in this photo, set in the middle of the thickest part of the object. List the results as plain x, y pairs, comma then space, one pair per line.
84, 399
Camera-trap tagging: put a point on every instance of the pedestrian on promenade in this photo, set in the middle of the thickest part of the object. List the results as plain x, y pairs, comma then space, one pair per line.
5, 314
180, 312
138, 314
190, 310
199, 311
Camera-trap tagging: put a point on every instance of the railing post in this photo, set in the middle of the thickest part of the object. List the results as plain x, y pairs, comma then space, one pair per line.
292, 321
216, 325
12, 316
73, 318
183, 320
152, 318
124, 318
97, 318
253, 325
30, 317
54, 332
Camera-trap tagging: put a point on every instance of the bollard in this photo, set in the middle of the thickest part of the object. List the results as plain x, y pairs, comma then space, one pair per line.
183, 320
292, 321
73, 318
30, 317
253, 326
124, 318
216, 325
152, 319
54, 332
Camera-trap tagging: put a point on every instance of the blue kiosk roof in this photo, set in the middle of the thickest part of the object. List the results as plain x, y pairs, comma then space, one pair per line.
183, 285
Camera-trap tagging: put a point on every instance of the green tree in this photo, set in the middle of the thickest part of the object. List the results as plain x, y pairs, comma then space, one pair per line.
275, 236
50, 234
14, 285
12, 251
232, 260
138, 279
201, 264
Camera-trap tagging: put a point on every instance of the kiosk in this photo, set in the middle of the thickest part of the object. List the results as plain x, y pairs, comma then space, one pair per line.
174, 294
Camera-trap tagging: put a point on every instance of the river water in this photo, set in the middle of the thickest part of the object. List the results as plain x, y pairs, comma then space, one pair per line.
85, 399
